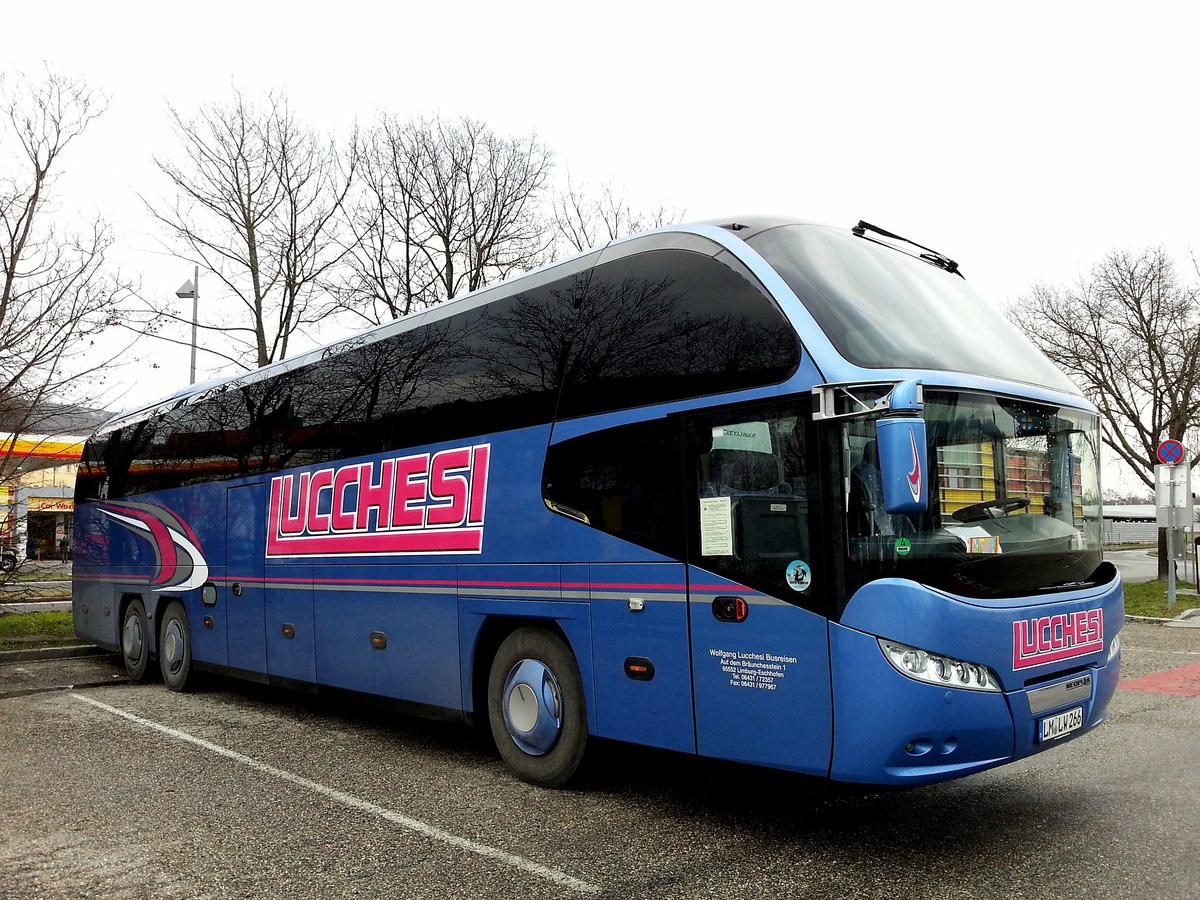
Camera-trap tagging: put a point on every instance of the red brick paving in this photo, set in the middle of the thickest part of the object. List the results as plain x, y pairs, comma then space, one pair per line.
1184, 681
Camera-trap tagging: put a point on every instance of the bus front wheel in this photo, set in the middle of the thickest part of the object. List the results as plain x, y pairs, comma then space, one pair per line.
135, 642
175, 648
536, 707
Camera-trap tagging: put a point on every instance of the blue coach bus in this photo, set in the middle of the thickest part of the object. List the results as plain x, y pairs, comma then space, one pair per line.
765, 491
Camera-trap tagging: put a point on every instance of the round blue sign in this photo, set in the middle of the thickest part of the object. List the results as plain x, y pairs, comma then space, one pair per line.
1170, 452
799, 575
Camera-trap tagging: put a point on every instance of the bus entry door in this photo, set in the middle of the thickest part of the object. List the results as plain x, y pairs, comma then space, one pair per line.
760, 656
760, 673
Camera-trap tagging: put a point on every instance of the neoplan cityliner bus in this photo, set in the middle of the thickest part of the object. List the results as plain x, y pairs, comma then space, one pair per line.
764, 491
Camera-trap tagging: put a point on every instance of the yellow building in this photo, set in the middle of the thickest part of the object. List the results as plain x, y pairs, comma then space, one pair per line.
968, 475
37, 482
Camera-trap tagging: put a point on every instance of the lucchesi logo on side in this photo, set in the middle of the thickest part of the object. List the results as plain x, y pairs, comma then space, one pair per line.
425, 503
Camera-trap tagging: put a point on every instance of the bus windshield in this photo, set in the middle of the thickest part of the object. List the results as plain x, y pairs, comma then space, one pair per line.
1014, 504
882, 308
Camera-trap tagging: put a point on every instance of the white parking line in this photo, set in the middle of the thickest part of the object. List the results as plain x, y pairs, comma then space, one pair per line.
430, 831
1168, 652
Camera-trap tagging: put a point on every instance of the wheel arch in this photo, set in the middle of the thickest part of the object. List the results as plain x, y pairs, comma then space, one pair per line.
483, 630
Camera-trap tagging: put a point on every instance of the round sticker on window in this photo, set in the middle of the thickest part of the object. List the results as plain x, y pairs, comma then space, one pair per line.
799, 576
903, 546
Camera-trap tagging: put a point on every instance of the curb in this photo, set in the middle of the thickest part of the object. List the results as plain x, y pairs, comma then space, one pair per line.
50, 653
1180, 619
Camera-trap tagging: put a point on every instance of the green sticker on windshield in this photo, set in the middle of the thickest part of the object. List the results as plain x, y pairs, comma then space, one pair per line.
903, 546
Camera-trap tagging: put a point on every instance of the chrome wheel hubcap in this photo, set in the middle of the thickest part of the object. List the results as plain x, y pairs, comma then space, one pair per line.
132, 639
173, 645
532, 705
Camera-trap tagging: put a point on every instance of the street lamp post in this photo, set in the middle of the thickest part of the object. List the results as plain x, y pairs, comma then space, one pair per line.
191, 290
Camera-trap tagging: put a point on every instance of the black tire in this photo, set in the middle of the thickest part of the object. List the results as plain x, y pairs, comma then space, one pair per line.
560, 758
135, 642
8, 563
175, 648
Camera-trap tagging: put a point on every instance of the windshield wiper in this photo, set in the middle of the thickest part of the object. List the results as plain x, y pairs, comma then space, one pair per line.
941, 260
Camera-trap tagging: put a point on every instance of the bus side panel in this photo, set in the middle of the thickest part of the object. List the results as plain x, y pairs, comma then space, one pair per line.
244, 593
93, 613
209, 645
639, 616
151, 550
291, 630
390, 631
90, 589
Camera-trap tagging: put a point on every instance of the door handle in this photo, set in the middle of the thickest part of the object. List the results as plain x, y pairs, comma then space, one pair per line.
730, 609
236, 589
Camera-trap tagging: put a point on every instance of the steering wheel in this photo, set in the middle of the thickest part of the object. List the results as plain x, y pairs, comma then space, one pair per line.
977, 511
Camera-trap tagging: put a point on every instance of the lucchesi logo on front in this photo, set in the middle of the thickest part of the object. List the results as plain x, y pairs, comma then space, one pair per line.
419, 504
1047, 639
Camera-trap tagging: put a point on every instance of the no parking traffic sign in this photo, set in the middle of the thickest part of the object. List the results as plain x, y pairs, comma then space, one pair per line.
1170, 452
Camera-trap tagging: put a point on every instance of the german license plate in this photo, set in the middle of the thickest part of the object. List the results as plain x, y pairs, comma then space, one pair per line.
1060, 724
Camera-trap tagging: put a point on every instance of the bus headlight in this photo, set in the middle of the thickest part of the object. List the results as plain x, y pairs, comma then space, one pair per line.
1114, 649
932, 668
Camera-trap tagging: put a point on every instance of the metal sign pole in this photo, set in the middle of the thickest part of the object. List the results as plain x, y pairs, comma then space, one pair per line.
1171, 567
1173, 497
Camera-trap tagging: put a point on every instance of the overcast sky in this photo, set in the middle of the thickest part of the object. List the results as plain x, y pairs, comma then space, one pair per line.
1025, 140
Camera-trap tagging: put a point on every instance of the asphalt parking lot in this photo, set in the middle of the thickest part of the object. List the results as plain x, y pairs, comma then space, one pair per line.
128, 791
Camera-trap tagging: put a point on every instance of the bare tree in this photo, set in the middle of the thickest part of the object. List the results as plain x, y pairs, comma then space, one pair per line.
257, 203
56, 292
391, 269
583, 219
56, 289
1129, 335
446, 207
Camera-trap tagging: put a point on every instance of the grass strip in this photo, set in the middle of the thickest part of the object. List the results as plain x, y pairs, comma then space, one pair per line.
1149, 598
23, 631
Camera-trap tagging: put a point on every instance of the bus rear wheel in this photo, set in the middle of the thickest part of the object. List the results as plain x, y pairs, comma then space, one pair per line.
135, 642
536, 707
175, 648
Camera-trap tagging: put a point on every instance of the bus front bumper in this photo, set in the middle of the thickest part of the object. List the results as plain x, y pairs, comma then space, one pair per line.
891, 729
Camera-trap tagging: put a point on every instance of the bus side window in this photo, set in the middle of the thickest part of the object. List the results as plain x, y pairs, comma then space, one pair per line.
753, 475
669, 324
624, 481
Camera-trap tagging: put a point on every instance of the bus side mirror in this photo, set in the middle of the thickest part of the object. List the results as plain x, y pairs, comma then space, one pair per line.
903, 464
